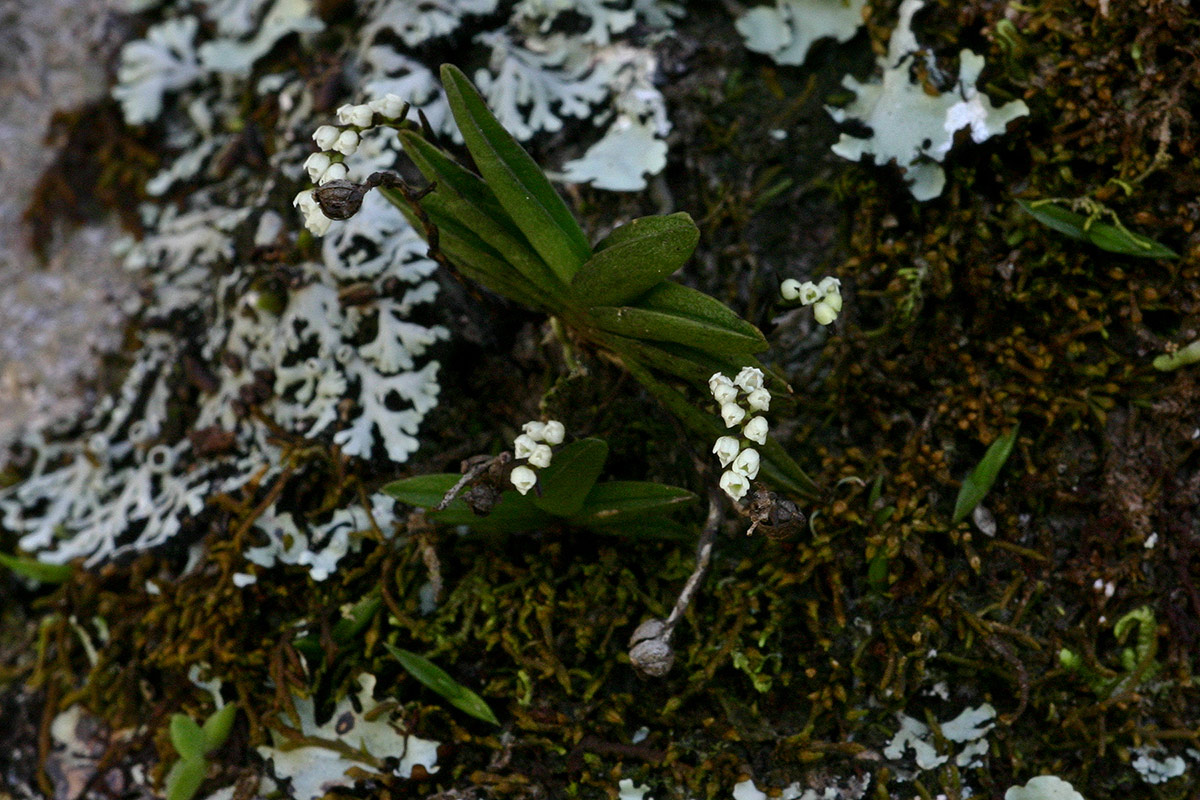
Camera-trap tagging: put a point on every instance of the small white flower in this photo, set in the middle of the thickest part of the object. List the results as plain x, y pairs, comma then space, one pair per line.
524, 445
389, 106
524, 479
809, 293
829, 285
725, 393
336, 172
732, 413
716, 380
325, 136
749, 379
759, 400
834, 301
790, 289
541, 455
824, 313
756, 430
534, 430
726, 449
735, 485
347, 143
316, 164
314, 219
746, 463
360, 116
554, 432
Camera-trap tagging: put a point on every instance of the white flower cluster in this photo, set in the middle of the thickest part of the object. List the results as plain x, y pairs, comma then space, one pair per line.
534, 447
825, 297
739, 460
336, 143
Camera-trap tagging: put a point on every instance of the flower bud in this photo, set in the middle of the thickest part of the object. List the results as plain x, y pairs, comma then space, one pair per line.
726, 449
534, 430
725, 393
554, 432
732, 413
734, 484
756, 430
790, 289
746, 463
347, 143
336, 172
316, 164
359, 116
834, 301
524, 479
523, 446
749, 379
716, 380
541, 455
325, 136
390, 106
759, 400
824, 313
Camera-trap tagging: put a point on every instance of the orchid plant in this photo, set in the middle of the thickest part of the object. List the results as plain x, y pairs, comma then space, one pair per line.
508, 229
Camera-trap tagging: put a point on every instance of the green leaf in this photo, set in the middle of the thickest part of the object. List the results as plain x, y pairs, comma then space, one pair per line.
217, 727
622, 501
1189, 354
348, 627
694, 366
36, 570
473, 257
436, 679
527, 196
566, 482
653, 529
634, 258
1107, 237
514, 512
185, 778
187, 737
979, 482
663, 326
465, 198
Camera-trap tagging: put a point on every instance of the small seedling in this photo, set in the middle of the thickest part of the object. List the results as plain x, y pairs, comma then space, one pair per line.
439, 681
194, 743
1114, 238
976, 485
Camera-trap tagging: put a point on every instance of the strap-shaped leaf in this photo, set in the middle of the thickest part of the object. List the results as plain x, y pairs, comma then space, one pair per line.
565, 484
670, 326
776, 465
693, 365
653, 528
1107, 237
623, 501
36, 570
516, 179
514, 512
462, 196
676, 298
634, 258
473, 257
440, 681
976, 485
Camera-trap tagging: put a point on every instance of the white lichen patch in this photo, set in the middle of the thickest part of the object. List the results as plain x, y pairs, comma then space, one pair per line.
350, 739
969, 729
788, 30
1154, 766
908, 125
